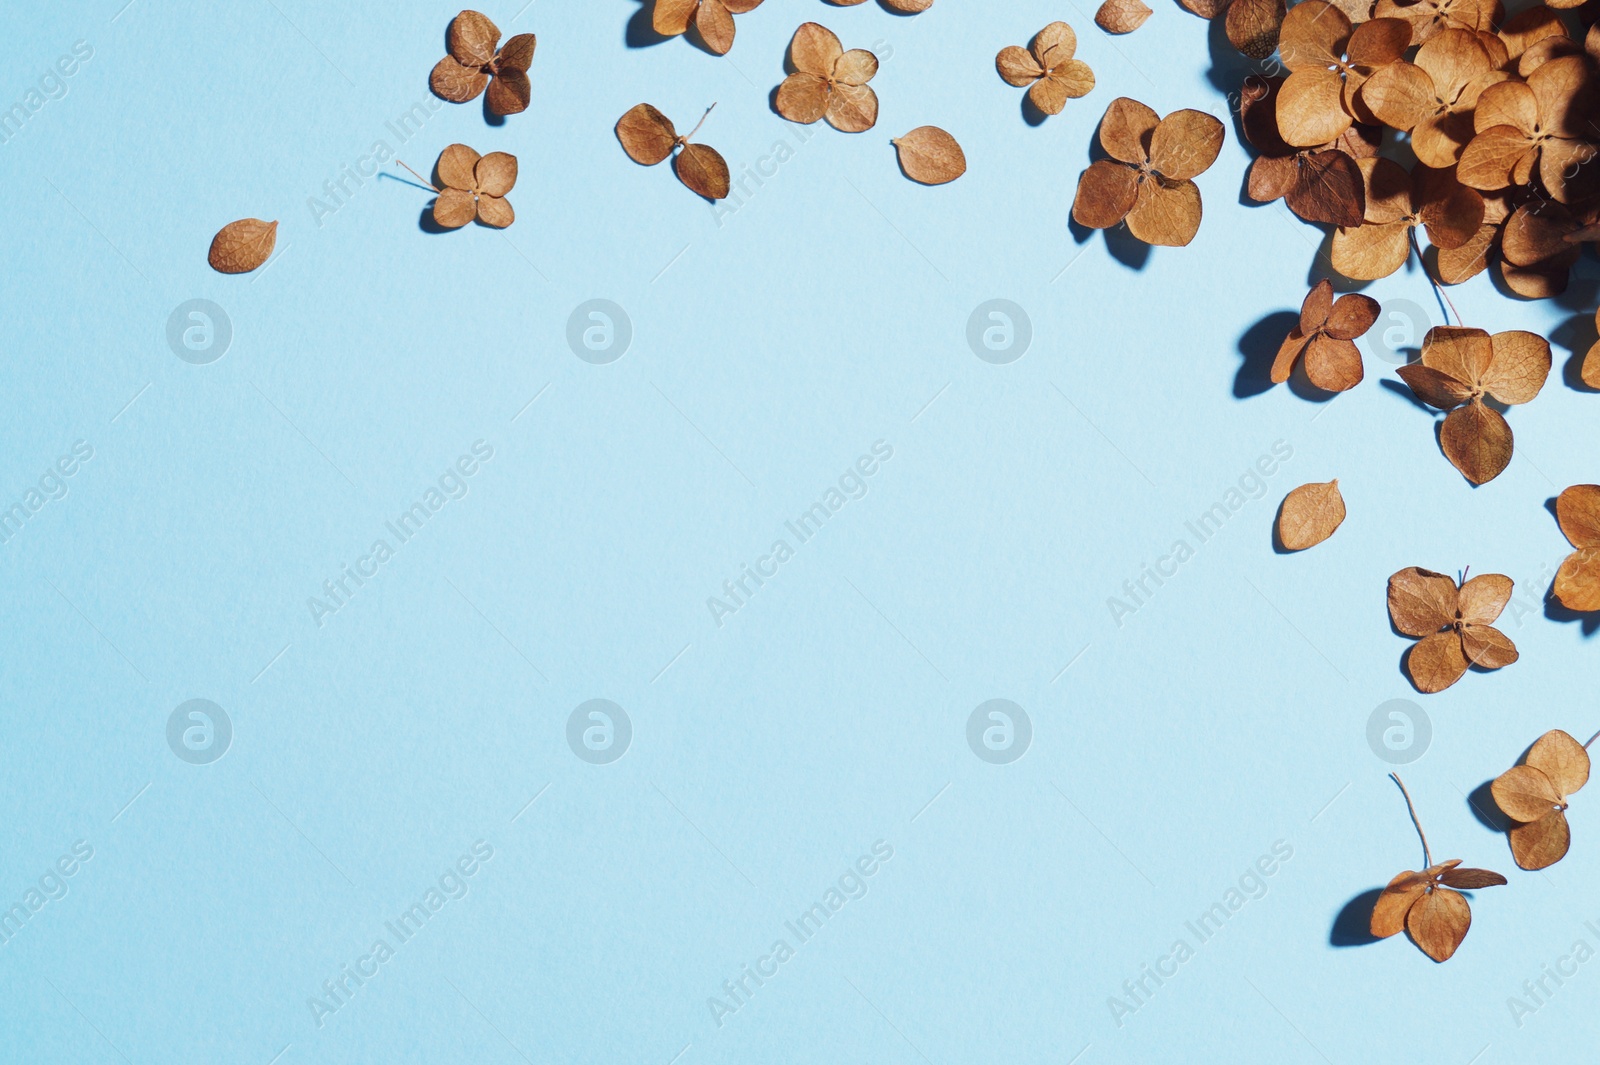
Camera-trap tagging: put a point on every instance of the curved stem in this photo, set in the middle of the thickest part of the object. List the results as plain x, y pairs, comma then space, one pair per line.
1427, 858
1590, 740
685, 138
418, 176
1437, 288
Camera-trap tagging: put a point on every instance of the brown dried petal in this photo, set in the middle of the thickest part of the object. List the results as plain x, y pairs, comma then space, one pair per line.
241, 246
1487, 647
1315, 308
457, 167
1368, 252
1289, 353
1471, 879
815, 49
1493, 155
1396, 900
1520, 365
472, 39
1310, 514
1352, 315
517, 53
1461, 352
1333, 365
510, 92
856, 67
1439, 922
646, 134
1311, 107
454, 208
1313, 36
1252, 26
1379, 42
1054, 45
1436, 662
1578, 580
1482, 598
1121, 16
1185, 144
496, 173
1106, 193
1524, 793
1527, 28
1433, 387
1477, 441
714, 23
1166, 213
1421, 602
704, 170
495, 211
1326, 187
1562, 759
1542, 843
456, 83
1578, 512
1017, 66
672, 17
1455, 265
909, 7
1070, 81
803, 98
1400, 95
852, 108
1126, 129
931, 156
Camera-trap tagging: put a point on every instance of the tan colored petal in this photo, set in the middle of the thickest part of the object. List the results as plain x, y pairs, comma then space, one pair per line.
1352, 315
1578, 512
1396, 900
1379, 42
1313, 36
909, 7
1252, 26
1527, 28
1054, 45
646, 134
456, 83
856, 67
1462, 353
495, 211
1289, 352
1326, 187
517, 53
1470, 879
1166, 213
931, 156
1565, 89
472, 39
1482, 598
1561, 758
1436, 662
852, 108
1017, 66
1121, 16
1388, 190
509, 92
1542, 843
1400, 95
1310, 514
456, 167
1316, 307
1333, 365
1421, 602
1524, 793
1487, 647
241, 246
1508, 103
1185, 144
1439, 922
1366, 253
1578, 580
703, 170
1439, 139
1519, 367
496, 173
815, 49
1541, 282
1456, 265
1477, 441
1106, 193
672, 17
1311, 106
1568, 169
1433, 387
803, 98
714, 23
1126, 130
1272, 177
454, 208
1449, 210
1492, 156
1453, 58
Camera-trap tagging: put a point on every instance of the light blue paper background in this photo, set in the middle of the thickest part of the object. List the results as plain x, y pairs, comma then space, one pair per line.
772, 345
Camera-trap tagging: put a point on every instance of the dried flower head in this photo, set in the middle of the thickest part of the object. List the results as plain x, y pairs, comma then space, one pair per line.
474, 187
712, 19
1535, 794
1429, 18
1148, 179
1429, 905
648, 137
1434, 97
1540, 125
1461, 366
930, 156
1321, 184
241, 246
1326, 335
1577, 584
1330, 59
1453, 624
828, 82
1310, 514
1047, 68
1396, 203
476, 61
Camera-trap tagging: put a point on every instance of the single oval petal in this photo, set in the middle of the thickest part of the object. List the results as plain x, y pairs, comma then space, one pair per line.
703, 170
856, 67
1562, 759
1482, 599
1439, 922
646, 134
931, 156
495, 211
1310, 514
241, 246
1017, 66
1477, 441
1126, 129
714, 23
1166, 214
1542, 843
1520, 365
1578, 513
852, 108
456, 167
1487, 647
509, 92
1106, 193
1185, 144
815, 49
1578, 580
802, 98
1394, 902
1121, 16
472, 38
456, 83
1523, 793
454, 208
1421, 602
495, 173
1333, 365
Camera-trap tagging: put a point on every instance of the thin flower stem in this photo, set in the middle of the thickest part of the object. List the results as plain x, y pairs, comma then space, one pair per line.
1427, 857
1590, 740
1437, 288
418, 176
685, 138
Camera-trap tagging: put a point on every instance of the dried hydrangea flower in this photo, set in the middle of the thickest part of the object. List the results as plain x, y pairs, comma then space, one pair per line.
1535, 794
1325, 336
1433, 98
648, 137
1148, 179
828, 82
1543, 125
475, 61
1047, 68
474, 187
1453, 624
1321, 184
1577, 585
1330, 59
712, 19
1396, 203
